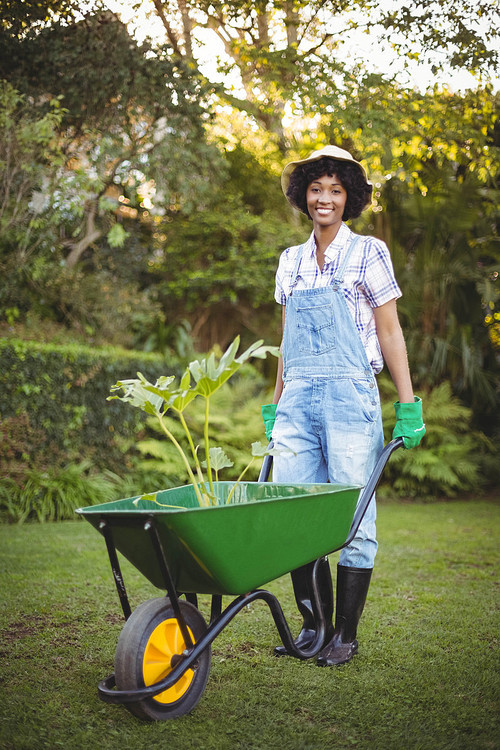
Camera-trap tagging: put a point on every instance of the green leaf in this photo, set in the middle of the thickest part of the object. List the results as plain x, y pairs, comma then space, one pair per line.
164, 382
230, 353
210, 377
151, 497
256, 350
185, 380
148, 397
182, 396
259, 450
116, 236
150, 408
139, 393
218, 459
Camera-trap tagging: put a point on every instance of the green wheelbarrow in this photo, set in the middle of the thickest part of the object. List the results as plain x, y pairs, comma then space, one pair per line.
163, 655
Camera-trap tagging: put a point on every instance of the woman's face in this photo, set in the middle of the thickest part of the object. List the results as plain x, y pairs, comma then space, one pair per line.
326, 198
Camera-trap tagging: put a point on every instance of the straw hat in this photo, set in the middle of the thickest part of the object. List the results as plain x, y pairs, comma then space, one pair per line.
334, 152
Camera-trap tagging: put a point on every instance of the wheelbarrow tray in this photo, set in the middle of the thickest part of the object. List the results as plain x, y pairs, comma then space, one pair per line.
265, 531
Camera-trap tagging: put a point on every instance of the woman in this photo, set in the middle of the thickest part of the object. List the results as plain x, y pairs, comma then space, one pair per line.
340, 323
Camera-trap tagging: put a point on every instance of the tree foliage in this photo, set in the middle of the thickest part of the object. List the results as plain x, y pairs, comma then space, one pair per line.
140, 200
461, 34
121, 131
285, 54
18, 19
30, 157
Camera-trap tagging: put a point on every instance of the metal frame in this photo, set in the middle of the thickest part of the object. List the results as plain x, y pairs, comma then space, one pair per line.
218, 619
106, 687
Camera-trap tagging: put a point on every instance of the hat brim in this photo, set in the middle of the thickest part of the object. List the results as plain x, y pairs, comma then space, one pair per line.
332, 152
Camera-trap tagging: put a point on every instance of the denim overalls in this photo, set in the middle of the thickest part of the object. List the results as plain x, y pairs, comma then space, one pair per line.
329, 411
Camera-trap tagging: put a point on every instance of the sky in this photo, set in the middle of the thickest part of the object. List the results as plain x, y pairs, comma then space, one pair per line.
373, 50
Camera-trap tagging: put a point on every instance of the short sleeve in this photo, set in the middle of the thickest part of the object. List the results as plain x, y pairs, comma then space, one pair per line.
379, 283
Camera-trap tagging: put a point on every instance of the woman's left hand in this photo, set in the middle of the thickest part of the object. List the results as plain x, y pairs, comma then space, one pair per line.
409, 423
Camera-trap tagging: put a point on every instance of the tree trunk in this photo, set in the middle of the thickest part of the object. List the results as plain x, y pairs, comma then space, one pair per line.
171, 35
187, 27
91, 235
291, 23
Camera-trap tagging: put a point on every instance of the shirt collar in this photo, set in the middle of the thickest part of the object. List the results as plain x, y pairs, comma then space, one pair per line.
343, 236
310, 248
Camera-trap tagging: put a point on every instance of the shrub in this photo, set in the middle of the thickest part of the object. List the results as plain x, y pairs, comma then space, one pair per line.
23, 447
59, 393
451, 457
53, 495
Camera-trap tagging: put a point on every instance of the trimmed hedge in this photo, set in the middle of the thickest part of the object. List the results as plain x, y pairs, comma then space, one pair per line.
59, 393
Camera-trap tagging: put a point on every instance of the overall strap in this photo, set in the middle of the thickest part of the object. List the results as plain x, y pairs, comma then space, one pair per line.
339, 279
295, 273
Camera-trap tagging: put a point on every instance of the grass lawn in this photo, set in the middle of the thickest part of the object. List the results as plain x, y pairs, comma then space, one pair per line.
426, 677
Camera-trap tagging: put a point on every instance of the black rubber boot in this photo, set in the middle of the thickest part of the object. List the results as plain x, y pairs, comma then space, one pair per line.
302, 588
352, 589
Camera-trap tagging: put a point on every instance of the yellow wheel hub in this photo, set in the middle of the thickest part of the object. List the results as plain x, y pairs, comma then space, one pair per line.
165, 642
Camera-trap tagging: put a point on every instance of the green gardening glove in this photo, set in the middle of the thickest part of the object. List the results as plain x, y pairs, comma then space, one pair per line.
409, 423
269, 416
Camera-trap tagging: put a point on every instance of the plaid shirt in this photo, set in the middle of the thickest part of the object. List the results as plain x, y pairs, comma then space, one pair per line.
368, 281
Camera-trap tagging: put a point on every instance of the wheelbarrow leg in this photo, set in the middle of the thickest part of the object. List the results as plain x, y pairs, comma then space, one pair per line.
191, 598
215, 607
106, 531
303, 590
302, 587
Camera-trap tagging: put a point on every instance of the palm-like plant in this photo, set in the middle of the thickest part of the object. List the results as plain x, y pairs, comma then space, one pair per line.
445, 252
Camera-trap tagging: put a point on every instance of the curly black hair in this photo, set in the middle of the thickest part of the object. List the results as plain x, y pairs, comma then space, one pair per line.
359, 192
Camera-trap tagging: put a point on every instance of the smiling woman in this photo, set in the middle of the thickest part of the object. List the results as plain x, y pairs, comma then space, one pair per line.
340, 322
332, 161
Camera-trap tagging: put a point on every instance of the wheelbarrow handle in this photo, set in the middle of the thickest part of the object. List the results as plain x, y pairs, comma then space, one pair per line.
266, 465
368, 490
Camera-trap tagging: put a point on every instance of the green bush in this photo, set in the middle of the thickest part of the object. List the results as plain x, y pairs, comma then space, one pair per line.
22, 447
53, 495
53, 407
451, 459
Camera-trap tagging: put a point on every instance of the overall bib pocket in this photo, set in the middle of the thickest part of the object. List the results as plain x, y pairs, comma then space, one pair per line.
315, 328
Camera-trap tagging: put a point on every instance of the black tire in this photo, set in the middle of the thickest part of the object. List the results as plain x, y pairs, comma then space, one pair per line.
148, 641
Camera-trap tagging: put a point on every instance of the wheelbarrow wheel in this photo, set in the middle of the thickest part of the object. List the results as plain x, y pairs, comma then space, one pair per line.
148, 643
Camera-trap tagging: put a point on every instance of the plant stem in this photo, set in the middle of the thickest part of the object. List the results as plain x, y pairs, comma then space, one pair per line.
184, 458
193, 449
239, 480
207, 448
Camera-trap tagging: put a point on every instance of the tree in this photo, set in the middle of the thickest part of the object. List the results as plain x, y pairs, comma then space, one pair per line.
30, 157
21, 18
277, 49
440, 189
288, 53
459, 34
121, 120
125, 131
446, 249
215, 267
